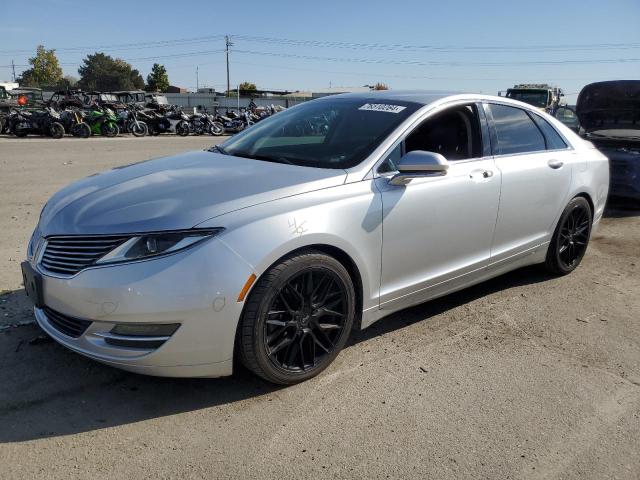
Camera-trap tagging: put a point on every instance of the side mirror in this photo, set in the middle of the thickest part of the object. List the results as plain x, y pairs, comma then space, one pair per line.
419, 164
568, 117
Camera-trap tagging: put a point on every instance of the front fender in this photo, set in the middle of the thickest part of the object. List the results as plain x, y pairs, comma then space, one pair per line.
347, 217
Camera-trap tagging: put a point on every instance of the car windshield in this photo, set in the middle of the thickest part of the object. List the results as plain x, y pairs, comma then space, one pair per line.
537, 98
328, 133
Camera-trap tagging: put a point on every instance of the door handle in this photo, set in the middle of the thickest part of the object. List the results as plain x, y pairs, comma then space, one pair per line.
555, 164
479, 175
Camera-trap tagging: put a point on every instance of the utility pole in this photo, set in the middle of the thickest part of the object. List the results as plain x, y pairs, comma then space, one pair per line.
228, 43
13, 68
197, 80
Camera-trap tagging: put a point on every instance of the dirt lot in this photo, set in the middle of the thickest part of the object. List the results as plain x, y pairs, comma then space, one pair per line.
526, 376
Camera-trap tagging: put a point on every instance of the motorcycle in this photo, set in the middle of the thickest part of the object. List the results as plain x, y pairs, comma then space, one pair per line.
102, 122
179, 121
73, 122
128, 122
206, 123
43, 122
230, 125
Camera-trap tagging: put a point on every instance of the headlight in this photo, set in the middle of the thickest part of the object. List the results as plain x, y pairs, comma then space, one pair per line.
33, 243
156, 244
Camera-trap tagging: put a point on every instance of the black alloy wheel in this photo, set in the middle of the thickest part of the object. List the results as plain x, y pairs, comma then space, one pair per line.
297, 318
571, 238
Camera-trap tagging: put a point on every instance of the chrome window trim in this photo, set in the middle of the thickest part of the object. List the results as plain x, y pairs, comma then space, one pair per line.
529, 111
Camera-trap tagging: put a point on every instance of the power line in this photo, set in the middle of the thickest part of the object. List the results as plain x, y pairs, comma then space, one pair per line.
441, 48
347, 45
129, 46
440, 63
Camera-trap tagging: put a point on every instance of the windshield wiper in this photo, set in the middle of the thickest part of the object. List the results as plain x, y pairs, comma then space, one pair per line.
264, 158
219, 149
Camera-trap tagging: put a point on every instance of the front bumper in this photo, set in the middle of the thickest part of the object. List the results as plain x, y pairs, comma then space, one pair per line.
196, 288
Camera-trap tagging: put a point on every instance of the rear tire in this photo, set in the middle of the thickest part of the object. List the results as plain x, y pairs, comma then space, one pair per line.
83, 130
571, 238
109, 129
297, 318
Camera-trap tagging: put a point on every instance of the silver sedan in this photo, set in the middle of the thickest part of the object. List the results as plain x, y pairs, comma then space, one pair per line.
271, 248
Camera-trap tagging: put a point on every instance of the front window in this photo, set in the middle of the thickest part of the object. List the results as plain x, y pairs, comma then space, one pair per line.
537, 98
332, 133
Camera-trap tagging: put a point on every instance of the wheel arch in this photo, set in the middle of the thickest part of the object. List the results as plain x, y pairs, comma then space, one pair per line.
589, 200
330, 250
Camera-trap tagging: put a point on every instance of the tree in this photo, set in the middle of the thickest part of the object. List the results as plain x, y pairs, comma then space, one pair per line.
246, 88
68, 81
157, 80
381, 86
45, 69
104, 73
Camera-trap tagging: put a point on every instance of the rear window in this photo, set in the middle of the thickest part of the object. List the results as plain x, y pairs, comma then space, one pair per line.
516, 131
553, 138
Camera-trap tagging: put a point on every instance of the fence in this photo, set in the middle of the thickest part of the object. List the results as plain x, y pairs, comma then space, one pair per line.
210, 100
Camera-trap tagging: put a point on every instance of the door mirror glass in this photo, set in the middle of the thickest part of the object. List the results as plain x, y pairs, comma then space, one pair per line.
419, 163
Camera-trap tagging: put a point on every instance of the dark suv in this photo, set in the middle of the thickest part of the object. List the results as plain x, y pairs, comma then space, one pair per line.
609, 117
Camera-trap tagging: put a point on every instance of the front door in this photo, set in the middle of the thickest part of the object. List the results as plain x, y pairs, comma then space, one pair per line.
437, 231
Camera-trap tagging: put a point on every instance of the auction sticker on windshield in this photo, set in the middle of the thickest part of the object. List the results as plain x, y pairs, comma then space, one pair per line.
382, 107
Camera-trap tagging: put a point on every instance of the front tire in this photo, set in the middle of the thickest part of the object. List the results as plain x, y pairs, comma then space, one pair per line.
297, 318
81, 130
216, 129
571, 238
20, 132
182, 129
138, 129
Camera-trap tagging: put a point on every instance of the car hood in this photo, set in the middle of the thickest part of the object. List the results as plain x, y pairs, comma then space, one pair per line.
174, 193
610, 105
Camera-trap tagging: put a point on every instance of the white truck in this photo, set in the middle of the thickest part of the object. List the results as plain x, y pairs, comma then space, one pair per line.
540, 95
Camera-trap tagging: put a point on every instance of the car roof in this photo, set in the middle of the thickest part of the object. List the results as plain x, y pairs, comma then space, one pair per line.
424, 97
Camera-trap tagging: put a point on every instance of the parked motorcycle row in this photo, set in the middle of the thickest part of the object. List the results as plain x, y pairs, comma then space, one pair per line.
85, 114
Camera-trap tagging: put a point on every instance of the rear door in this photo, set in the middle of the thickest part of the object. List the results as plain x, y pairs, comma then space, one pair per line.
535, 163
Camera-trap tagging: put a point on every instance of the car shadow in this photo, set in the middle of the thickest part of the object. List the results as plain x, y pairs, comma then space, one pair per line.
48, 391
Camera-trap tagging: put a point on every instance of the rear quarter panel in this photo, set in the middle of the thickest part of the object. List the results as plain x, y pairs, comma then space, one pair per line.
590, 172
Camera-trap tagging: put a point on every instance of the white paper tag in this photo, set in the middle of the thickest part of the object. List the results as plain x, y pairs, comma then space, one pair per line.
382, 107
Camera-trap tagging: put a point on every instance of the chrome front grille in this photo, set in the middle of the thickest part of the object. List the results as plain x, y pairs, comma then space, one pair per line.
67, 255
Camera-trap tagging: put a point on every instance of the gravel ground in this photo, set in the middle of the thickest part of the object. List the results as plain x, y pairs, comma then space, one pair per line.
525, 376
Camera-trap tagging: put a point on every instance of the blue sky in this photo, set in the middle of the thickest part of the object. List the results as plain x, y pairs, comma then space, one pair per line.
454, 45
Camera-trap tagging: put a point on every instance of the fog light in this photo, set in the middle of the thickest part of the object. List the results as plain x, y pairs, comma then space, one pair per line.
145, 329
